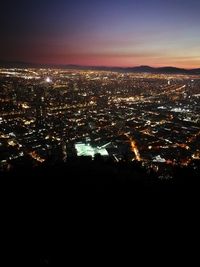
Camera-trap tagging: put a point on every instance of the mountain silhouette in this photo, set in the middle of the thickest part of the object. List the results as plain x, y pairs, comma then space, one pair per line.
134, 69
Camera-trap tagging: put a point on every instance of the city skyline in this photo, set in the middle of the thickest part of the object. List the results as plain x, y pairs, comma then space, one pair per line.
107, 33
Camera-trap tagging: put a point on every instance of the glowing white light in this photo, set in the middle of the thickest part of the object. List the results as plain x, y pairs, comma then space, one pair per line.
48, 80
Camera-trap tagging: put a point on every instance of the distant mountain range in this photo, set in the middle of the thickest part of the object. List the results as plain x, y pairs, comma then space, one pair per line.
137, 69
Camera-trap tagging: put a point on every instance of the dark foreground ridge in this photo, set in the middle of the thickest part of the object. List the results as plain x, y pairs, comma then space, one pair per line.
93, 211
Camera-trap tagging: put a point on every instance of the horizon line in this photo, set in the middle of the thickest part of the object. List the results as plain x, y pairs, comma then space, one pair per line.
85, 65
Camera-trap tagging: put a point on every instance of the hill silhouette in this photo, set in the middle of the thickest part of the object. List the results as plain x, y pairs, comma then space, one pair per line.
134, 69
84, 207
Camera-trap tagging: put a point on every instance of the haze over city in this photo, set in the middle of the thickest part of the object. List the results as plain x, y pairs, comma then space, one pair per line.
106, 32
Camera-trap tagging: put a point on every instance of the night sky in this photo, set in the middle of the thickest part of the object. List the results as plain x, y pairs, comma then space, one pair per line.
101, 32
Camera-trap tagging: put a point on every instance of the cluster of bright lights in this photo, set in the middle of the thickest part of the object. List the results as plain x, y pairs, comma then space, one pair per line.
48, 80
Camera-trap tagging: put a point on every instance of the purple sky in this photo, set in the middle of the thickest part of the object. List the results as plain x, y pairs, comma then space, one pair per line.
101, 32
